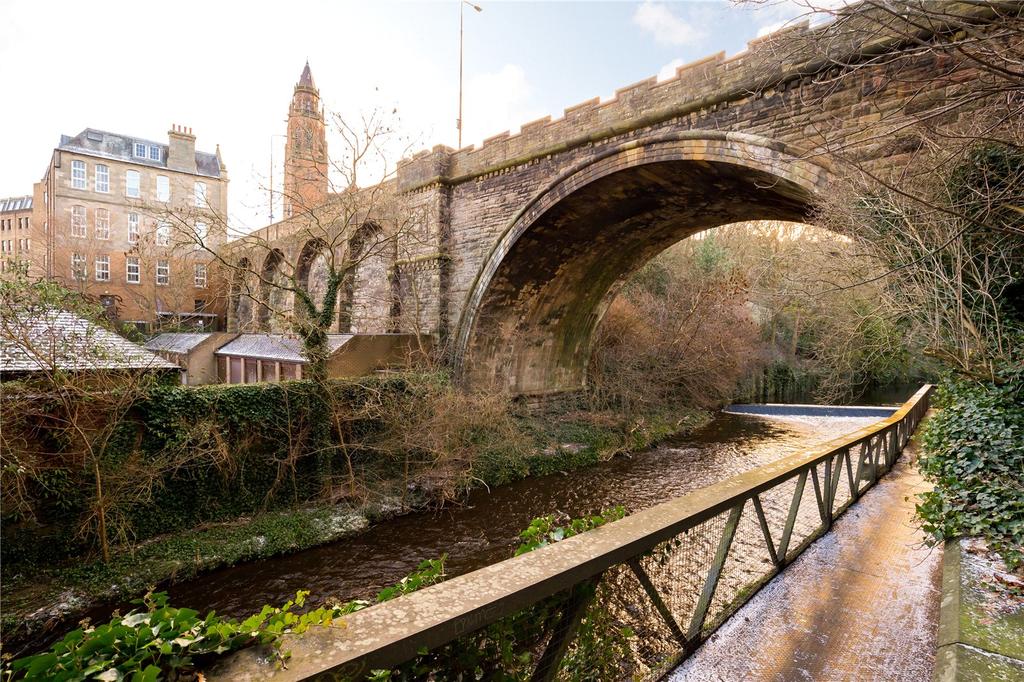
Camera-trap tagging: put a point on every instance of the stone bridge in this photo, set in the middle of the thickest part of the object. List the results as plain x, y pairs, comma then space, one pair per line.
530, 236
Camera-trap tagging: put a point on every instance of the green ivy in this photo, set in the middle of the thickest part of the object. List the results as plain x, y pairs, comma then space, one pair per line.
974, 456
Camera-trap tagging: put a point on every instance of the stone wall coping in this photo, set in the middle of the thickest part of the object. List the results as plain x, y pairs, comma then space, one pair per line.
967, 650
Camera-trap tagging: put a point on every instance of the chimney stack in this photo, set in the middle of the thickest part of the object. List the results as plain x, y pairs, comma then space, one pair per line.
181, 149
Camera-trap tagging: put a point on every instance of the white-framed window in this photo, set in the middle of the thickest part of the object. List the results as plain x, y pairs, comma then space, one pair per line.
78, 174
201, 201
200, 275
102, 223
163, 188
78, 221
78, 267
163, 233
154, 152
140, 150
163, 272
102, 268
102, 178
202, 230
131, 270
133, 228
132, 184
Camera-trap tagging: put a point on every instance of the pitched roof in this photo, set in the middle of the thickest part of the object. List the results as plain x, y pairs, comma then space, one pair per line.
57, 339
176, 342
306, 79
275, 346
15, 204
121, 148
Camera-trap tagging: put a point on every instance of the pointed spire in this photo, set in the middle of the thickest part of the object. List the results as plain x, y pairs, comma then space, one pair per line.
306, 79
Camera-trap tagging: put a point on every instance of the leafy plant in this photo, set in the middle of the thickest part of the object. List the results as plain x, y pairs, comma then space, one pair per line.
161, 641
974, 455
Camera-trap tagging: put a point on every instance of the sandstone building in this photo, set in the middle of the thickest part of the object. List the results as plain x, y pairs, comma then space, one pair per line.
305, 165
15, 232
121, 219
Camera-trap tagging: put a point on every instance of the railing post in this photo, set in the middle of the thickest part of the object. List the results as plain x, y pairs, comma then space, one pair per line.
564, 629
701, 612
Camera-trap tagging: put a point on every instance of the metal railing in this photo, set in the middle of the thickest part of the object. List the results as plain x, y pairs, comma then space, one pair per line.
663, 578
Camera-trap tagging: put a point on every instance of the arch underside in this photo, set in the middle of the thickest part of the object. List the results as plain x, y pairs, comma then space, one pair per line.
548, 289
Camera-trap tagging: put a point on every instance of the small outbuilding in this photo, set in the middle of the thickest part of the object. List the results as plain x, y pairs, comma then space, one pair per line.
36, 341
193, 352
252, 358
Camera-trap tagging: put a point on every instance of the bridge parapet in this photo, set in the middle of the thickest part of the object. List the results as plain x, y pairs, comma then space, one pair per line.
771, 63
683, 555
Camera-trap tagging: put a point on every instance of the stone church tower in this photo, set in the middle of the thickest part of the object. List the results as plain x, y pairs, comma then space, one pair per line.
305, 158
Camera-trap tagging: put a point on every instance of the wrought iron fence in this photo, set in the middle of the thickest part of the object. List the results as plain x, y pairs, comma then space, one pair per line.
627, 600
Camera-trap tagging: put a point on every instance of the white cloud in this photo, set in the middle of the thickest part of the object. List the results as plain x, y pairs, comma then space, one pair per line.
667, 29
668, 71
770, 28
495, 102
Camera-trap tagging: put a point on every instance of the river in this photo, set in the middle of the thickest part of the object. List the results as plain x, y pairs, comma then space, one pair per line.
485, 528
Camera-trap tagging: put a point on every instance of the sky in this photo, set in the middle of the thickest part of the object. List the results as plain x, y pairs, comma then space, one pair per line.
227, 69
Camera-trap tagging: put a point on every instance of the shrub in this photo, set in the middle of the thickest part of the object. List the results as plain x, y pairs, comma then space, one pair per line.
974, 455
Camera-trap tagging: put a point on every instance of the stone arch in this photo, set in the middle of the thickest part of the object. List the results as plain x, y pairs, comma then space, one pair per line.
527, 324
272, 297
241, 293
311, 271
366, 290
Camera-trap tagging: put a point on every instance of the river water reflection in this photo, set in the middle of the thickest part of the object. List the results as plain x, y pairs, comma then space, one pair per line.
485, 529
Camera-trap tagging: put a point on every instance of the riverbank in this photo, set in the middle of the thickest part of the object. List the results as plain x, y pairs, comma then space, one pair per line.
40, 602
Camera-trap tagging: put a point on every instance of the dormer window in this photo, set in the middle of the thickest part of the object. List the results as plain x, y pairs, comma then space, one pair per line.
140, 150
154, 152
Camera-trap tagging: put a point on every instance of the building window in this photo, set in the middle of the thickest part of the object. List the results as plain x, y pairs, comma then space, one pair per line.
102, 223
102, 178
78, 174
102, 268
202, 229
78, 266
163, 272
133, 228
132, 270
163, 188
200, 305
200, 279
132, 183
163, 233
154, 152
78, 221
201, 201
140, 150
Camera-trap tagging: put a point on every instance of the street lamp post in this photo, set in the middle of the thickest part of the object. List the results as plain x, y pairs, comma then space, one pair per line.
272, 175
458, 121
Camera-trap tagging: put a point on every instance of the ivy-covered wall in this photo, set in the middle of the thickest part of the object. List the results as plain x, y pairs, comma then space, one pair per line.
213, 453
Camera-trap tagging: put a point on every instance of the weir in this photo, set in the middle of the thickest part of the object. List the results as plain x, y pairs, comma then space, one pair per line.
660, 572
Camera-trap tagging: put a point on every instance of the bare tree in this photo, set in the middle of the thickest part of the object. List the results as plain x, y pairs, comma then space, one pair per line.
348, 240
69, 409
930, 191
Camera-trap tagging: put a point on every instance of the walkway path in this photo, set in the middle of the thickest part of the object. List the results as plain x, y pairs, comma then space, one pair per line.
862, 603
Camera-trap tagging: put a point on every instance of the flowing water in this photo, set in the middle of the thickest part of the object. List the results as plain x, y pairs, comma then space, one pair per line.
485, 528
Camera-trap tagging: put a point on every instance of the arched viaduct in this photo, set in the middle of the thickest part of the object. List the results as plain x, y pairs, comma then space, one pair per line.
530, 235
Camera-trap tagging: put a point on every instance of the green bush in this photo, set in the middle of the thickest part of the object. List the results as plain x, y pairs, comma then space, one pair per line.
974, 456
160, 641
238, 449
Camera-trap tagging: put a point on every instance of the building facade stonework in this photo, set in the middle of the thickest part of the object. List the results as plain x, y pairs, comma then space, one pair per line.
15, 234
128, 221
